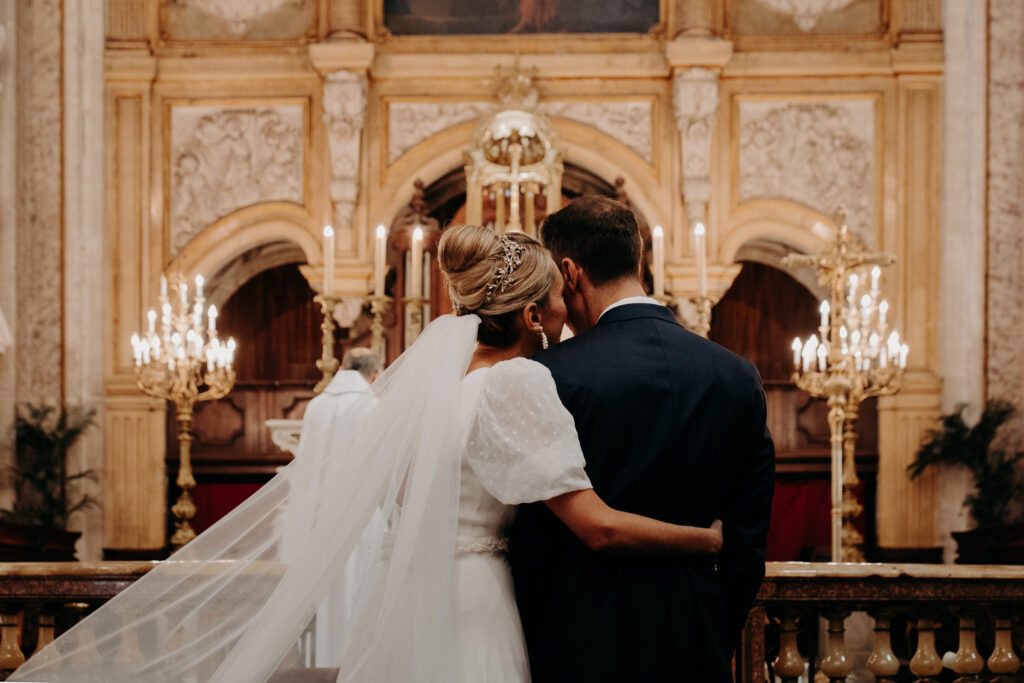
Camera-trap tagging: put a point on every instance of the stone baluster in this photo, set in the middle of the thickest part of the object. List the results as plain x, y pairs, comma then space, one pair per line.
926, 662
1003, 659
11, 656
46, 628
835, 664
882, 663
967, 661
789, 665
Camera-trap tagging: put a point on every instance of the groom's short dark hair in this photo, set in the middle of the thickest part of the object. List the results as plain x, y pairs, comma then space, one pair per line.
598, 233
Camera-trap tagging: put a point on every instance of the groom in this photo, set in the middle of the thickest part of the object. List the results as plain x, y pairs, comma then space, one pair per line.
673, 427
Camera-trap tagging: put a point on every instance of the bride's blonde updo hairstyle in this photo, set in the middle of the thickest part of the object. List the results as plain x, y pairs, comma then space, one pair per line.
494, 276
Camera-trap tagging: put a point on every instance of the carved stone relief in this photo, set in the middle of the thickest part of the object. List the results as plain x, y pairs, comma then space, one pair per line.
1005, 207
817, 154
627, 122
410, 123
806, 13
232, 19
801, 17
344, 113
695, 96
224, 159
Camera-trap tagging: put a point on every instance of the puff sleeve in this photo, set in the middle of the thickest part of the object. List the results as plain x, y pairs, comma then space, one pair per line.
522, 442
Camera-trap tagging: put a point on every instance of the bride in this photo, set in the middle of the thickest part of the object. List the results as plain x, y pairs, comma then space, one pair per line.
453, 436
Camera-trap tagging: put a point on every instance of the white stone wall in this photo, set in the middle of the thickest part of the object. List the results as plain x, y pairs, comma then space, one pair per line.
1005, 215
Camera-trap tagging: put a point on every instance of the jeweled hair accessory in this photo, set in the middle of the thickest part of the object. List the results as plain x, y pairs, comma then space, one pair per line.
511, 259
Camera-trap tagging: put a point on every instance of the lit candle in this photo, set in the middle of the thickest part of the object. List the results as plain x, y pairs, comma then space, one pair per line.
883, 308
328, 259
152, 322
852, 283
136, 349
163, 285
904, 350
211, 316
231, 351
702, 259
416, 266
824, 309
796, 352
822, 357
183, 289
380, 260
199, 286
658, 254
876, 273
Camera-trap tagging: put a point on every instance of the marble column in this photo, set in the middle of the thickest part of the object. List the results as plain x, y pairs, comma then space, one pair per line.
8, 242
962, 294
83, 246
1005, 368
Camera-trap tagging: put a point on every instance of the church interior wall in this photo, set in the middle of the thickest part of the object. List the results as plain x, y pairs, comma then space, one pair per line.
857, 111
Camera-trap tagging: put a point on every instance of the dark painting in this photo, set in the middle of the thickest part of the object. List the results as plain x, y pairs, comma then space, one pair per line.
489, 17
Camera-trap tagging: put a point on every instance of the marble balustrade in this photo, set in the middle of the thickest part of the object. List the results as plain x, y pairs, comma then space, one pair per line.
917, 613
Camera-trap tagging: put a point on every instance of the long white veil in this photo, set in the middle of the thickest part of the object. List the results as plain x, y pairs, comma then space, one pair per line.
231, 605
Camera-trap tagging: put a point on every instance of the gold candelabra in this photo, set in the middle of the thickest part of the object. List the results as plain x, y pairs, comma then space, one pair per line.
327, 363
854, 355
183, 363
703, 304
414, 310
379, 306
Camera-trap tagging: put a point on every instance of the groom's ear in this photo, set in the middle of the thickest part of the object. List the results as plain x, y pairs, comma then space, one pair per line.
570, 274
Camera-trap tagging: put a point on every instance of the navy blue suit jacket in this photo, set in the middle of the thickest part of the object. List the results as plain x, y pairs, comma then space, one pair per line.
673, 427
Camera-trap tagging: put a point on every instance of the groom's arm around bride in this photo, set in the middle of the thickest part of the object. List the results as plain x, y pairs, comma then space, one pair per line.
672, 426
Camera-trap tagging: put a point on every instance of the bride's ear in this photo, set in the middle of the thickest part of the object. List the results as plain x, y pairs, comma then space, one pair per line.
531, 317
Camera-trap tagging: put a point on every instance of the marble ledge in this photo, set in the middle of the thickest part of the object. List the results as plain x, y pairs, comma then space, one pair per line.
641, 64
908, 58
353, 55
864, 570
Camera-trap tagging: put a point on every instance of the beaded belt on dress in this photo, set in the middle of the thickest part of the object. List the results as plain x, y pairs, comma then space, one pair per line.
464, 545
480, 545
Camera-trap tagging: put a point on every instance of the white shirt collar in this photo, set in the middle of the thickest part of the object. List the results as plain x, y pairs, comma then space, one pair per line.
346, 381
630, 300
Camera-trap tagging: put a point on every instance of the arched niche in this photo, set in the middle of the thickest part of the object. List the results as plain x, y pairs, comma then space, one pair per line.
215, 248
585, 147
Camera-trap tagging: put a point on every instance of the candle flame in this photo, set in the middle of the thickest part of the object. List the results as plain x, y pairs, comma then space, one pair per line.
657, 232
417, 234
698, 229
382, 232
328, 231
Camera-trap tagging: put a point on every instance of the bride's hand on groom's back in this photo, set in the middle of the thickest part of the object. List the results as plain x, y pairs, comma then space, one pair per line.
715, 537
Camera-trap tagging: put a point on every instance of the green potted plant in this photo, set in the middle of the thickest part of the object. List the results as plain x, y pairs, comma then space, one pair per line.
35, 528
997, 539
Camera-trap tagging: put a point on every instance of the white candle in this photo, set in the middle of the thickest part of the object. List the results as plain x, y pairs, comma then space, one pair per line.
876, 273
184, 295
199, 286
658, 257
416, 259
796, 352
328, 259
904, 350
163, 285
380, 260
822, 358
702, 259
883, 308
824, 309
852, 283
211, 315
152, 322
136, 349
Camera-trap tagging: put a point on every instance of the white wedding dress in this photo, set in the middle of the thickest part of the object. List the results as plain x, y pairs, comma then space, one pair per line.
442, 456
504, 408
